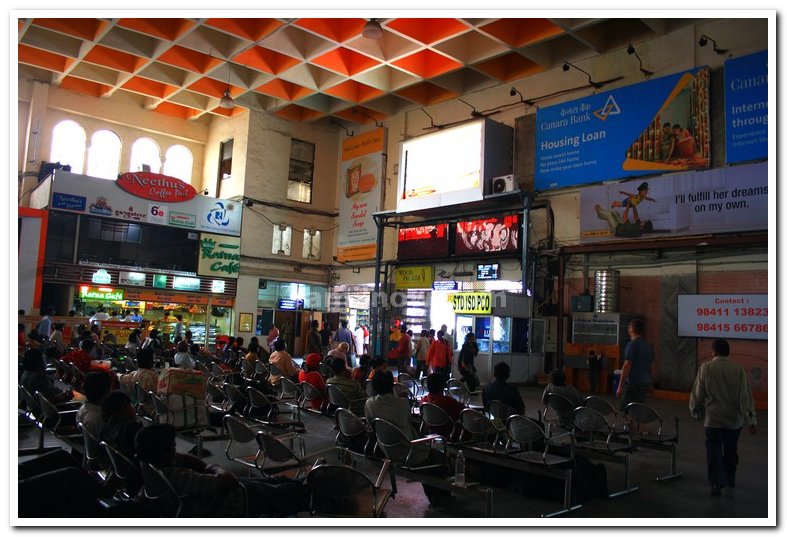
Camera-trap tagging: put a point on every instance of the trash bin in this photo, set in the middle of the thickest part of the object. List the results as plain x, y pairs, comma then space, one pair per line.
616, 380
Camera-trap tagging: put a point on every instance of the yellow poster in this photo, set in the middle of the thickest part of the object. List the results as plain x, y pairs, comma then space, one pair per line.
419, 277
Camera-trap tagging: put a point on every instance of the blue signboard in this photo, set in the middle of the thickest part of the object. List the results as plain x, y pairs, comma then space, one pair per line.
290, 304
746, 107
445, 285
661, 125
68, 202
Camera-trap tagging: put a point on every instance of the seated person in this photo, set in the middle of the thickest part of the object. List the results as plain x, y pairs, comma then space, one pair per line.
212, 490
34, 378
310, 373
146, 376
361, 373
500, 390
120, 423
558, 385
348, 386
387, 406
282, 359
341, 351
377, 365
96, 387
183, 357
436, 383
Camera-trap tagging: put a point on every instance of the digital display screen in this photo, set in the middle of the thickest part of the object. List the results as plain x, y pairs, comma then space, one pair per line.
488, 271
500, 234
423, 242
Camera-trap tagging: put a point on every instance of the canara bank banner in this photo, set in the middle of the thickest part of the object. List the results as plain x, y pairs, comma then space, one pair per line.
746, 107
657, 126
153, 205
720, 200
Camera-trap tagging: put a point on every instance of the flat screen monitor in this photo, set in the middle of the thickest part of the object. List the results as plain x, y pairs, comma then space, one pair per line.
423, 242
499, 234
488, 271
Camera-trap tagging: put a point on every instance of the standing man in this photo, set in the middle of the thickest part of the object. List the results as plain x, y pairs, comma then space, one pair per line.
179, 329
314, 341
325, 336
447, 337
635, 377
44, 326
343, 335
402, 351
439, 355
722, 390
358, 340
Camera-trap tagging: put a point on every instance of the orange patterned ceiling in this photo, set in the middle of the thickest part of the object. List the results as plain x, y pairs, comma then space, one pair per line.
310, 68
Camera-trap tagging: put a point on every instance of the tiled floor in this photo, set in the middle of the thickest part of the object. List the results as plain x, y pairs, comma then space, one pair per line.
519, 497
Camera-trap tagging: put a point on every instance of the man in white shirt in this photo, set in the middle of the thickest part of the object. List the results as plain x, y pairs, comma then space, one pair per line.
100, 315
358, 336
447, 337
722, 390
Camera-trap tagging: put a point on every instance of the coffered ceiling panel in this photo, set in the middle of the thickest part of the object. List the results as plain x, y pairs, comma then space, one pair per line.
309, 69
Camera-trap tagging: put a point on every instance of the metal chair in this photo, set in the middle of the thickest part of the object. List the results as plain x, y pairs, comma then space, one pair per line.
311, 393
143, 402
349, 489
235, 398
645, 427
370, 388
217, 374
94, 458
484, 436
261, 373
246, 370
607, 410
125, 470
528, 435
592, 431
501, 411
262, 410
409, 455
291, 396
277, 457
274, 370
216, 398
240, 433
51, 420
558, 411
438, 421
459, 391
353, 433
407, 380
338, 398
325, 370
157, 488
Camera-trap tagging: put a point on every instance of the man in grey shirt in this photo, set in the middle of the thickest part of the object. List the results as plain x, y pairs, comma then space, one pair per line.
722, 390
635, 376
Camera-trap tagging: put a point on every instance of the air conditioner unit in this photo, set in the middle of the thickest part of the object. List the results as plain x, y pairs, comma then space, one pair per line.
504, 183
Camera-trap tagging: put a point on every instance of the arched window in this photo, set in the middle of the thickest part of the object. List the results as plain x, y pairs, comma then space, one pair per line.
178, 162
145, 152
68, 145
103, 155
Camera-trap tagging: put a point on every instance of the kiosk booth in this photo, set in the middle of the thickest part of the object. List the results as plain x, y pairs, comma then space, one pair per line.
502, 325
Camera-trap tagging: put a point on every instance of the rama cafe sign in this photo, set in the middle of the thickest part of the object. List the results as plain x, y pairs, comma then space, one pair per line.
219, 255
156, 187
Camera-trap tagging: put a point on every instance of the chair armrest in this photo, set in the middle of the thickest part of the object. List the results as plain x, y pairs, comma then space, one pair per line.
427, 438
383, 472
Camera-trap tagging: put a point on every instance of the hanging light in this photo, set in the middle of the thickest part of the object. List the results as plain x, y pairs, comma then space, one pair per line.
372, 29
226, 100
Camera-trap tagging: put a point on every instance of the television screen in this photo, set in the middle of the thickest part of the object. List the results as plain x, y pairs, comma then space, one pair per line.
423, 242
500, 234
488, 271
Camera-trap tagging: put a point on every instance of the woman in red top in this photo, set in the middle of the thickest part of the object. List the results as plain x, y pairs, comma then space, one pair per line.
310, 373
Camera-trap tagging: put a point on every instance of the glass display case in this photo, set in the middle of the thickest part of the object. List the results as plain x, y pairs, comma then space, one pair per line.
501, 335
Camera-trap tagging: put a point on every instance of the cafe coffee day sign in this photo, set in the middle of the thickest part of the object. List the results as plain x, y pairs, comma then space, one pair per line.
93, 196
219, 256
746, 107
661, 125
360, 177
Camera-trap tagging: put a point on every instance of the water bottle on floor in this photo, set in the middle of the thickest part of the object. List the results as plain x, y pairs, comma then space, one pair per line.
459, 477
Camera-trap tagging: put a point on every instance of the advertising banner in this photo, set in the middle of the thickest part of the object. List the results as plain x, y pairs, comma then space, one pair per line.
219, 256
420, 277
723, 316
101, 197
422, 242
472, 303
746, 107
360, 180
655, 126
500, 234
721, 200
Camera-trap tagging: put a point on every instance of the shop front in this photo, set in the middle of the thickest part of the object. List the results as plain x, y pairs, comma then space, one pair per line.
290, 306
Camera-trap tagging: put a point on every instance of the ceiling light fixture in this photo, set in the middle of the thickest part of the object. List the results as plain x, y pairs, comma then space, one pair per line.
513, 92
631, 51
704, 41
372, 29
567, 66
226, 101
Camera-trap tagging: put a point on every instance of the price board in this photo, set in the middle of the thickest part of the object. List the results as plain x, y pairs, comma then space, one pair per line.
723, 316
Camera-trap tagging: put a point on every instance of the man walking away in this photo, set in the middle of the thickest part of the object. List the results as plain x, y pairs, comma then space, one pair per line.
722, 390
343, 335
635, 377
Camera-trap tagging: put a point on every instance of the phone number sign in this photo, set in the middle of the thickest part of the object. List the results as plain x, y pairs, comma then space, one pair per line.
723, 316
